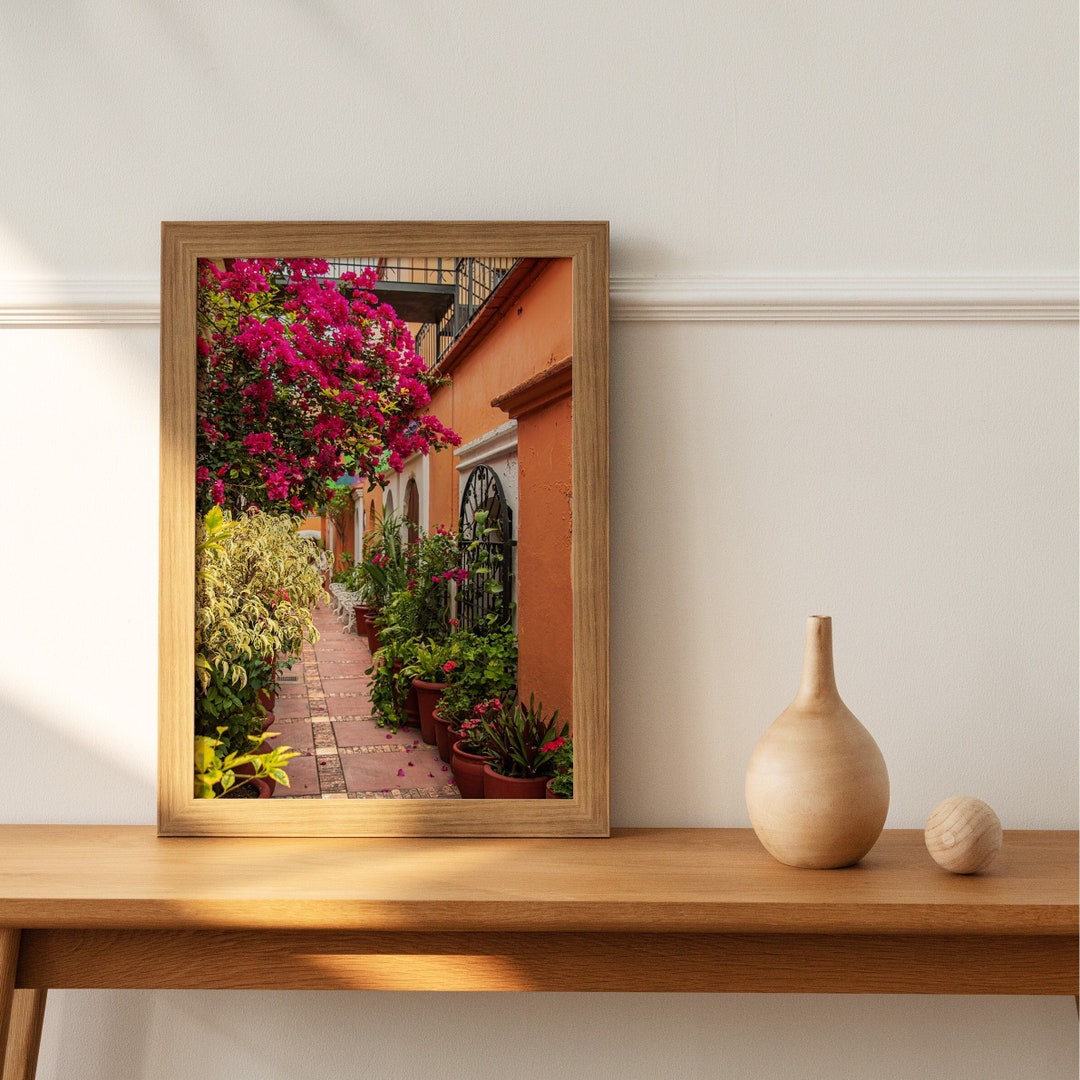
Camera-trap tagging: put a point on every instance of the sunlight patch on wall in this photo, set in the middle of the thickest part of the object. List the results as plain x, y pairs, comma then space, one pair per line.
78, 447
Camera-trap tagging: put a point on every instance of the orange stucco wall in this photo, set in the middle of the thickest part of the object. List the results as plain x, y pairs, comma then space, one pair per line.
342, 543
545, 593
535, 333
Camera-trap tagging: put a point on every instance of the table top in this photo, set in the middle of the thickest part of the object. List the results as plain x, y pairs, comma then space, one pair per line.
639, 880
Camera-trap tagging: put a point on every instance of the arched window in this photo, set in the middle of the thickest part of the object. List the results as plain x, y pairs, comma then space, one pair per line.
486, 524
412, 511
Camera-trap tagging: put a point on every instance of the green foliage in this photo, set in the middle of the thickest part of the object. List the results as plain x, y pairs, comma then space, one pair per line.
415, 628
338, 506
216, 766
481, 588
488, 657
562, 765
344, 574
434, 661
390, 682
422, 608
256, 581
233, 709
521, 741
383, 570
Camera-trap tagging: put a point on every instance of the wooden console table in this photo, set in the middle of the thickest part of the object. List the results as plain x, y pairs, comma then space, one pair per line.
649, 909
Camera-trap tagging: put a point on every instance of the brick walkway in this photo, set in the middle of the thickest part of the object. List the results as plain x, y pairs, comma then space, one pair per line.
323, 710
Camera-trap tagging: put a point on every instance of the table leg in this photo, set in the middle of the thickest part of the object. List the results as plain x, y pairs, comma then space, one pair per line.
9, 961
24, 1035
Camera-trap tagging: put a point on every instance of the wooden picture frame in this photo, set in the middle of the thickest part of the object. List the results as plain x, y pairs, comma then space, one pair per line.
585, 245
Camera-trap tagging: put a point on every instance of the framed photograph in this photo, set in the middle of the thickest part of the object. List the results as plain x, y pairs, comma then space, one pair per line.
384, 529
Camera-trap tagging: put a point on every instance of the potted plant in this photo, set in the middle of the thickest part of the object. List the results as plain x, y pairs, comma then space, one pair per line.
520, 744
382, 572
432, 669
468, 754
561, 784
223, 773
394, 701
415, 620
486, 657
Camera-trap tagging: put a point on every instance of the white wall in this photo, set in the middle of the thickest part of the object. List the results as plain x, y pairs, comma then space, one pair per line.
915, 477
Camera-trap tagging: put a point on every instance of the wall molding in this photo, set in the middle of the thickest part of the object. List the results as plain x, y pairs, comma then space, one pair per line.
845, 299
60, 303
703, 298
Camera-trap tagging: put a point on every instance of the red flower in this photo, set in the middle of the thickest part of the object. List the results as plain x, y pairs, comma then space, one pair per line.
450, 665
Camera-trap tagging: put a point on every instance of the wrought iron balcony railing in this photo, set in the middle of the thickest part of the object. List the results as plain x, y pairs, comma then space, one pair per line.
442, 295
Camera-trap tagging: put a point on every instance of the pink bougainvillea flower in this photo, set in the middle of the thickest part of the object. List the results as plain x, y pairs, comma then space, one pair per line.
401, 772
259, 442
290, 357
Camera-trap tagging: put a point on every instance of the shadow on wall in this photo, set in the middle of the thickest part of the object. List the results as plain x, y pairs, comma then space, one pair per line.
53, 777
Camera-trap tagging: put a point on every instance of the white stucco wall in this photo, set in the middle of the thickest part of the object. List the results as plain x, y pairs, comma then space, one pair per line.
912, 476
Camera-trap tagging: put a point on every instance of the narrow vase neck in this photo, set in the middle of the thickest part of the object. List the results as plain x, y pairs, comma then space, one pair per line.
818, 678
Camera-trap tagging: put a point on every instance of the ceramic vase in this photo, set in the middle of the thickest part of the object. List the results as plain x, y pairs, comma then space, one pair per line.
816, 787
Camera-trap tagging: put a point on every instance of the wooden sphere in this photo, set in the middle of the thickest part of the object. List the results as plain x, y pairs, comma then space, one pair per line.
963, 835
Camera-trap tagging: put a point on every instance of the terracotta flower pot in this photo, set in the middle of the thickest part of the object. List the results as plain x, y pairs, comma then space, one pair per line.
816, 787
412, 708
427, 695
549, 794
497, 786
468, 772
372, 635
264, 785
445, 736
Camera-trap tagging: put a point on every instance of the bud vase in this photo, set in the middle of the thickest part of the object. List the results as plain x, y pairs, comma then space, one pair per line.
817, 788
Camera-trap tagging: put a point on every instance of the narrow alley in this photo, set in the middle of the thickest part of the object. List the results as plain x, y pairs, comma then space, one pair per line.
323, 710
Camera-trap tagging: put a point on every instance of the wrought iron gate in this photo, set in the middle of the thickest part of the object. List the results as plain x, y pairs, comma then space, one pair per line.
486, 525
